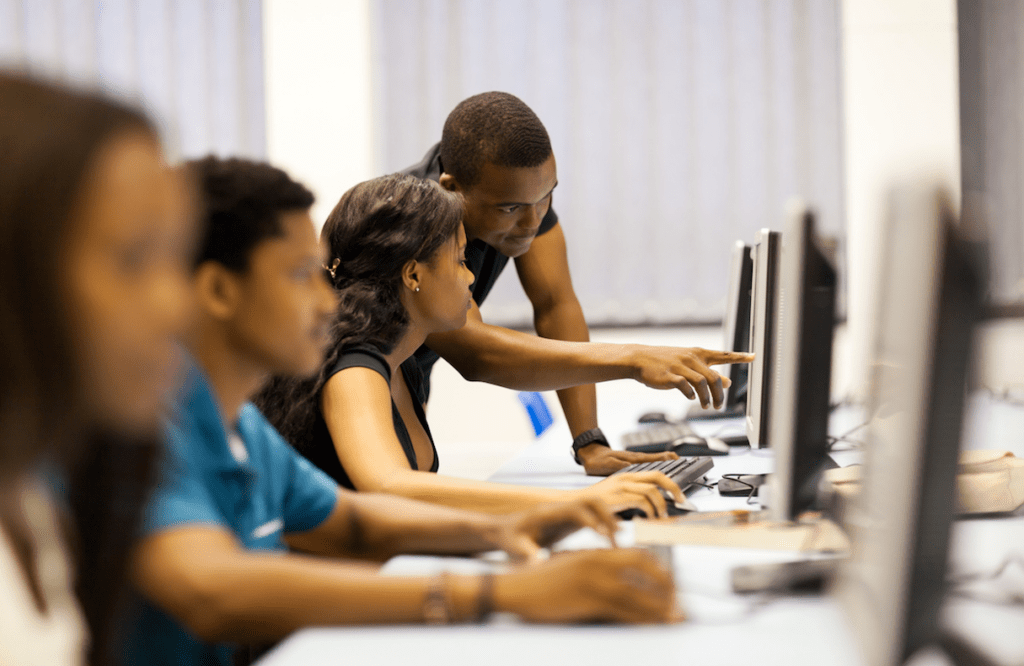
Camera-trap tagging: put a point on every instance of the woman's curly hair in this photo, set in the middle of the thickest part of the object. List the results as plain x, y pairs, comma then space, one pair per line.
377, 227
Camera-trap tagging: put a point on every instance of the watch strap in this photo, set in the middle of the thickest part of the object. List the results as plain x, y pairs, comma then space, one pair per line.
586, 438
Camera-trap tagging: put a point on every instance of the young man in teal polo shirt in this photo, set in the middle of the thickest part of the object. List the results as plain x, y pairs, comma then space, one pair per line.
212, 565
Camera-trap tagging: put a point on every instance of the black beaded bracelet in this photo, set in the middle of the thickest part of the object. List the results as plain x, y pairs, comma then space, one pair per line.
592, 436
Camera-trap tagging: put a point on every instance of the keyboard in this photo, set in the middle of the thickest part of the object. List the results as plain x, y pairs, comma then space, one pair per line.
684, 472
678, 437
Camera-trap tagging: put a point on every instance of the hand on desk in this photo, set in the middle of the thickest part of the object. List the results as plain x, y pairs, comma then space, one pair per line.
618, 585
600, 460
687, 369
524, 534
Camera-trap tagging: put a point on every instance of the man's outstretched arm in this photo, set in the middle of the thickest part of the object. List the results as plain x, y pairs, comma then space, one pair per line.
524, 362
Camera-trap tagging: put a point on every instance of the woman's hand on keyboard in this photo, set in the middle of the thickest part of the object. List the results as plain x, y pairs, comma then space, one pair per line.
687, 369
619, 585
601, 460
635, 490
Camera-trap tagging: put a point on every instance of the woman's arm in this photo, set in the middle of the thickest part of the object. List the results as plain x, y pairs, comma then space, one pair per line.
356, 404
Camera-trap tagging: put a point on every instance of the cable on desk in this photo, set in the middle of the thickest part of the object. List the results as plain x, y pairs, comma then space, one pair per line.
1009, 395
848, 400
1012, 598
845, 438
751, 499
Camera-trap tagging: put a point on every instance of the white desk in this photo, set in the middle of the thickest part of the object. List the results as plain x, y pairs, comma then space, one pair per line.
723, 628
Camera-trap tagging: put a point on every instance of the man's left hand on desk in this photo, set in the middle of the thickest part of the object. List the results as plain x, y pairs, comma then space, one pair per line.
600, 460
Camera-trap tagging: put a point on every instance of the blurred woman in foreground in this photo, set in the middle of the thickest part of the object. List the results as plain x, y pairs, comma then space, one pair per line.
94, 245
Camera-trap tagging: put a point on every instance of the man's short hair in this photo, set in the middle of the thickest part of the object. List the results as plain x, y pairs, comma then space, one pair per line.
241, 202
492, 127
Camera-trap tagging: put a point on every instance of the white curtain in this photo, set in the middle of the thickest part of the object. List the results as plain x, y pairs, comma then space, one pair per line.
992, 133
195, 65
679, 126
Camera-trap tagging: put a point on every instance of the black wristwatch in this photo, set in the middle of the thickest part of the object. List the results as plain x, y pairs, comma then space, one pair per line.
592, 436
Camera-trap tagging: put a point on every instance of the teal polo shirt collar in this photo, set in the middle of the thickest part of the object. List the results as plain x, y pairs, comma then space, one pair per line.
197, 400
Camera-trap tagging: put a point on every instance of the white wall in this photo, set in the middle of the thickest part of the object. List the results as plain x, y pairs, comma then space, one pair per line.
319, 94
195, 67
901, 120
900, 114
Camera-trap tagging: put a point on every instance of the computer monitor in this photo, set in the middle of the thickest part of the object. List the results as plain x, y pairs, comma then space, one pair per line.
929, 300
798, 425
763, 312
736, 337
736, 327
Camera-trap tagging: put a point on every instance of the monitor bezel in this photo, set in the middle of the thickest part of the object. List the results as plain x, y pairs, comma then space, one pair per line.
763, 320
736, 326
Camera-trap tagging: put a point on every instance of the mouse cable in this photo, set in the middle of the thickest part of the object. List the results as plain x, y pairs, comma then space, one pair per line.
1008, 395
845, 438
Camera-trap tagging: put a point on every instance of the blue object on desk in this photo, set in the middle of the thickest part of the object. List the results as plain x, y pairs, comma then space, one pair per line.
537, 408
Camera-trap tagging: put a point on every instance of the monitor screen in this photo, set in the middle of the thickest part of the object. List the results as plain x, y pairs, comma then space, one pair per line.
736, 327
929, 299
798, 425
763, 312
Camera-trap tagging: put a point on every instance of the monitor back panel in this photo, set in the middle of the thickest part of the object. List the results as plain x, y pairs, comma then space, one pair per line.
736, 326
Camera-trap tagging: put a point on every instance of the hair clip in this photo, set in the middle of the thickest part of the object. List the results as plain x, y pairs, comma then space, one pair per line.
332, 269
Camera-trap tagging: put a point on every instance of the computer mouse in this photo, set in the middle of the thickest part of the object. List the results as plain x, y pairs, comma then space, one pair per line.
653, 417
674, 509
692, 440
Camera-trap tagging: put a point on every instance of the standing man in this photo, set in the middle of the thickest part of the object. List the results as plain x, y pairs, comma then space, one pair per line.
495, 152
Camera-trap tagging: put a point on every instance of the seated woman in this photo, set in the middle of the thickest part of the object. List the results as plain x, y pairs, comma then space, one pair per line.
212, 566
94, 245
396, 258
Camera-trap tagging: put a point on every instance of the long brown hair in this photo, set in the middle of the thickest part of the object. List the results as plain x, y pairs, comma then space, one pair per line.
375, 229
49, 140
